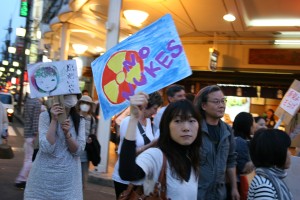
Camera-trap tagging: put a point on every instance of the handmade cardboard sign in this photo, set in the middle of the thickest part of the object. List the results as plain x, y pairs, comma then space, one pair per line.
290, 103
147, 61
53, 78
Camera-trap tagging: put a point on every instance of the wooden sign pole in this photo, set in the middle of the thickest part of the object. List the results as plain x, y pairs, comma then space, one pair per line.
60, 100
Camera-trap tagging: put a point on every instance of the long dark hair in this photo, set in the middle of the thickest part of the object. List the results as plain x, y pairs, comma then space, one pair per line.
75, 117
184, 109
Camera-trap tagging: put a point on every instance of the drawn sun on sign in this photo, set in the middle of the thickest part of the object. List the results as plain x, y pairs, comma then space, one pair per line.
119, 76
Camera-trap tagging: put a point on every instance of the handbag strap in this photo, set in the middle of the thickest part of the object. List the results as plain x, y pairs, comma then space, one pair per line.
142, 131
162, 178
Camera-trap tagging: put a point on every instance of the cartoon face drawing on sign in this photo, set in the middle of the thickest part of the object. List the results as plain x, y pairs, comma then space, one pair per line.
45, 79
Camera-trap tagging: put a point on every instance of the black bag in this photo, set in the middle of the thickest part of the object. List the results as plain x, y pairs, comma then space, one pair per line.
6, 151
93, 150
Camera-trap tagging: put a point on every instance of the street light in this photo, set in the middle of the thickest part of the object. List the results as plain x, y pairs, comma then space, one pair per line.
12, 50
5, 62
15, 64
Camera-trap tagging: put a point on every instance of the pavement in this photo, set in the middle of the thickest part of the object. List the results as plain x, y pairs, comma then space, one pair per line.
99, 185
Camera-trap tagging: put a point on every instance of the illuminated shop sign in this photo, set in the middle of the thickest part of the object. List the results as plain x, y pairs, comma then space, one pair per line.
24, 8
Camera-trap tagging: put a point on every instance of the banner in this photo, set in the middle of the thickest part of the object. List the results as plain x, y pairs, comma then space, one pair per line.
53, 78
149, 60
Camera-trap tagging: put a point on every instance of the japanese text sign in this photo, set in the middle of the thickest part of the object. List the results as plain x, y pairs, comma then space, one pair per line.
53, 78
149, 60
290, 103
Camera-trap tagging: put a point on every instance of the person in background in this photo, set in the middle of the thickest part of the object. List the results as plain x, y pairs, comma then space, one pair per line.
174, 93
190, 96
85, 92
243, 126
32, 110
3, 124
179, 143
260, 122
144, 136
270, 155
218, 157
85, 109
56, 171
270, 120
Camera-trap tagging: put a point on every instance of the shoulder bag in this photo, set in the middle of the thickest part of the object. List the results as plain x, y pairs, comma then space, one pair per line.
159, 192
6, 151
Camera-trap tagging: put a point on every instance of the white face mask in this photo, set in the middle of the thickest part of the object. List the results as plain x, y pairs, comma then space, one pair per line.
70, 101
84, 107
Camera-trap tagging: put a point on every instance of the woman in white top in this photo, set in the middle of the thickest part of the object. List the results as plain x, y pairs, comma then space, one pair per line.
179, 141
144, 136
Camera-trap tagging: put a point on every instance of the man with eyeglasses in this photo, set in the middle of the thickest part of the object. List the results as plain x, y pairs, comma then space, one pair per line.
174, 93
218, 159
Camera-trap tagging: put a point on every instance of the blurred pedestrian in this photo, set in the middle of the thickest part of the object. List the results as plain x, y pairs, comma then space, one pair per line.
3, 124
270, 120
85, 107
174, 93
32, 110
56, 171
260, 122
243, 126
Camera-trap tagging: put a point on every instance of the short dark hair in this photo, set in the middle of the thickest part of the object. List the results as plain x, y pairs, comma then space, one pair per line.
154, 99
190, 96
202, 97
242, 125
269, 147
185, 109
173, 89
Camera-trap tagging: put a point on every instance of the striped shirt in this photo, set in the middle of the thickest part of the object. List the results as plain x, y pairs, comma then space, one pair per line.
261, 189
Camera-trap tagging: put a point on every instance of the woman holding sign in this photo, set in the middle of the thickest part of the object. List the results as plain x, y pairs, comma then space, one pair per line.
178, 143
56, 171
144, 136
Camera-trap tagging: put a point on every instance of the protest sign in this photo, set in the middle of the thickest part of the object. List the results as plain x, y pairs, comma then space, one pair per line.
53, 78
149, 60
290, 103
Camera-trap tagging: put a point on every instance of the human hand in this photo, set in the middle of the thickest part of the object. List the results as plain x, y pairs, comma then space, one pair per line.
65, 126
138, 103
56, 110
235, 195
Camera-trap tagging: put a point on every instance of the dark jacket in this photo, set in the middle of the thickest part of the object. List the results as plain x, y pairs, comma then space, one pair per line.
214, 162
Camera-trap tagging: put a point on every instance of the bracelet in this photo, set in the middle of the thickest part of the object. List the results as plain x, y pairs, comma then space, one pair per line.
69, 137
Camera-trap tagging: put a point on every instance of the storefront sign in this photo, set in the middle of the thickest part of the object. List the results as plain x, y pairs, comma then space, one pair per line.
149, 60
24, 8
274, 56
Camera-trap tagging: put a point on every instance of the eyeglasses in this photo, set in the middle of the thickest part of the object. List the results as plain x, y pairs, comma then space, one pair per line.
217, 101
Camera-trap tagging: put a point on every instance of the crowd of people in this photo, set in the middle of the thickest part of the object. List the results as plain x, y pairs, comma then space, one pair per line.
206, 158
